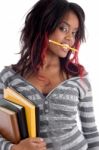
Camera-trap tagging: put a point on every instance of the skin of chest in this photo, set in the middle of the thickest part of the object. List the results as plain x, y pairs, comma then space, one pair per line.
46, 80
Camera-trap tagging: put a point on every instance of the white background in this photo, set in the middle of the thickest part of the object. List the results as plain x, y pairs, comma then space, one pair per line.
12, 15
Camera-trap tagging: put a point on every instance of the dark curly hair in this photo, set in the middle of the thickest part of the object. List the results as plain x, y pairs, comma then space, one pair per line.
40, 22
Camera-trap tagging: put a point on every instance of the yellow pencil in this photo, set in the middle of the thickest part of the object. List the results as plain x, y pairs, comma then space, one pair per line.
63, 45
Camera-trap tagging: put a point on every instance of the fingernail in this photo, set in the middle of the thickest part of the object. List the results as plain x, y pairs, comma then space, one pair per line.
41, 139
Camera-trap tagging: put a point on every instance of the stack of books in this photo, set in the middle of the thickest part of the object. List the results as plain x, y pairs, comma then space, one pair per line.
19, 117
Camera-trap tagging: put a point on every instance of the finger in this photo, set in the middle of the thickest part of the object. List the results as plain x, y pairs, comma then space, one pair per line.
36, 140
40, 146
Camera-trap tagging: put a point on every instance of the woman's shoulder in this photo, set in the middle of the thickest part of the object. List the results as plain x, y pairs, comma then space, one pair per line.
6, 73
84, 74
82, 80
6, 70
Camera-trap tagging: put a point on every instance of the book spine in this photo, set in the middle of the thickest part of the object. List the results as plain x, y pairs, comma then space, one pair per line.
15, 128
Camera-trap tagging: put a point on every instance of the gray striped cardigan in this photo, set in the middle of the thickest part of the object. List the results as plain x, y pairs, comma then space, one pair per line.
58, 125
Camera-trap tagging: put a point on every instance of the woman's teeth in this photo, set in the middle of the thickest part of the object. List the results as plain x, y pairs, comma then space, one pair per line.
65, 46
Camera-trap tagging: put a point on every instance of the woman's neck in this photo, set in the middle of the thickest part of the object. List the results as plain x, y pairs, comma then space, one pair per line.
51, 62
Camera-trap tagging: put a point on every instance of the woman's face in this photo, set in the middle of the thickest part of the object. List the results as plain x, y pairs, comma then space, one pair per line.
65, 34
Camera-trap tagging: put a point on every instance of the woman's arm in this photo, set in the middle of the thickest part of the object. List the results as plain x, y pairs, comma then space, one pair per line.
87, 117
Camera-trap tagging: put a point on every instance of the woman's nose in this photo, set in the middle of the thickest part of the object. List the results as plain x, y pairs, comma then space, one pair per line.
70, 39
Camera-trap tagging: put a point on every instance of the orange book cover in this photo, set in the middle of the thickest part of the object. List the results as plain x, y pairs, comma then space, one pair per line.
9, 125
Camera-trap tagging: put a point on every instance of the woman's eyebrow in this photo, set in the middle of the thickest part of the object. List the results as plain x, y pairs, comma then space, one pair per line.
66, 23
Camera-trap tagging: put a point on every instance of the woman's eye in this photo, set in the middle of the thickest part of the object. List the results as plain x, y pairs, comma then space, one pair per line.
64, 29
74, 34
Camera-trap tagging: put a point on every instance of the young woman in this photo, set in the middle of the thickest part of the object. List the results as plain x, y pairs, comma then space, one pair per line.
49, 74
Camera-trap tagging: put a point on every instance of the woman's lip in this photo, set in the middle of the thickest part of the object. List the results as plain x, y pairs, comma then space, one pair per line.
65, 49
65, 45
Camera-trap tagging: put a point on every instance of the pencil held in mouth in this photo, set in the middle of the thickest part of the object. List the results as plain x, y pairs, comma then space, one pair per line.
63, 45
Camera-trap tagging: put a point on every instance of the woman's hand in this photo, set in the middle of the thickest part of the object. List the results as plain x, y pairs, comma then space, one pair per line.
30, 144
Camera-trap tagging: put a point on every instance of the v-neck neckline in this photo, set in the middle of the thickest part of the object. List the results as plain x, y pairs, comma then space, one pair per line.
28, 83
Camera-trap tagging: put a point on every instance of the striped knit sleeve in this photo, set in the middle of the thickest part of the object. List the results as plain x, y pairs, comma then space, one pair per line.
4, 144
87, 118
